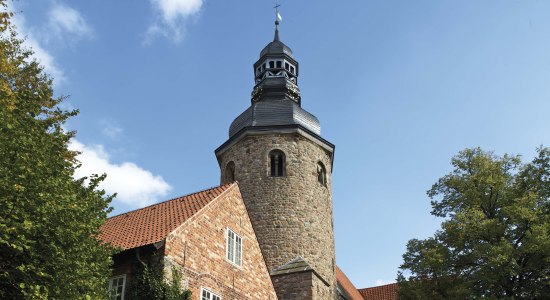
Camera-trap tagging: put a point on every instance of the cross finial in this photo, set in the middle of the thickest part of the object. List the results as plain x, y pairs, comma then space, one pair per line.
278, 19
277, 15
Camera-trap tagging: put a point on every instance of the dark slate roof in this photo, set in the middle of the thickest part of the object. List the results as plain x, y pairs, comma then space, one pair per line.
275, 112
298, 264
276, 47
153, 223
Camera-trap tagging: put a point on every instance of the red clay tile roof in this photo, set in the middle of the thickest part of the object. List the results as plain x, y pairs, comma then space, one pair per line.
153, 223
383, 292
347, 286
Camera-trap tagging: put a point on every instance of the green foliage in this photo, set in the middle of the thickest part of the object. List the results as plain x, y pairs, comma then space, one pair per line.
48, 220
495, 239
150, 284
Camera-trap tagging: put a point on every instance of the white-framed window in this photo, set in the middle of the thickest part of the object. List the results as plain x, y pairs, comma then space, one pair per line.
117, 286
206, 294
234, 246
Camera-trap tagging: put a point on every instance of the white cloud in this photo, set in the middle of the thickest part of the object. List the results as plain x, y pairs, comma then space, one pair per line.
135, 186
66, 22
383, 282
174, 9
40, 54
171, 18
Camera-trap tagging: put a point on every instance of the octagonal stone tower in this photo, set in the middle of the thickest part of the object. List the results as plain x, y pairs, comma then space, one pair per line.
283, 166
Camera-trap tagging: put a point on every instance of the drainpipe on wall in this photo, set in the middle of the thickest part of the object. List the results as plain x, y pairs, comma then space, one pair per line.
139, 257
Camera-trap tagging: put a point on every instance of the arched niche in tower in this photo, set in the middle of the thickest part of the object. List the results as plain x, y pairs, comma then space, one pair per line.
229, 173
277, 163
321, 174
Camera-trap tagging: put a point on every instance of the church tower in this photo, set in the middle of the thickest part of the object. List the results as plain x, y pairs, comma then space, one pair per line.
283, 165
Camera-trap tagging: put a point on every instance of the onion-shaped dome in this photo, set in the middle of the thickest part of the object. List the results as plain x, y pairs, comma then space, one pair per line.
276, 47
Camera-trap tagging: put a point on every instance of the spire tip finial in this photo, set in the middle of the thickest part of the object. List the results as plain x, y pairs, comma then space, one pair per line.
278, 20
276, 38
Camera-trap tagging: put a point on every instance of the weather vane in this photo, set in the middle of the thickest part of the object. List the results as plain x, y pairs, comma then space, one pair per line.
278, 17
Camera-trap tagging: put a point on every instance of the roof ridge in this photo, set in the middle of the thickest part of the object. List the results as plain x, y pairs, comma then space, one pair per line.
378, 286
347, 285
154, 223
292, 261
229, 186
225, 186
297, 264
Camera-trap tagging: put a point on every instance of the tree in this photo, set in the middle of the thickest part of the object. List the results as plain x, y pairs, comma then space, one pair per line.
48, 220
495, 239
150, 282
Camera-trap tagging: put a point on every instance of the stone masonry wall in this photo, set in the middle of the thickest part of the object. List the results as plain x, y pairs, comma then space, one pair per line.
294, 286
291, 215
199, 248
301, 285
320, 292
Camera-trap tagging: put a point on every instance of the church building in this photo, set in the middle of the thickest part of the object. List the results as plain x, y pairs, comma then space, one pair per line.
267, 232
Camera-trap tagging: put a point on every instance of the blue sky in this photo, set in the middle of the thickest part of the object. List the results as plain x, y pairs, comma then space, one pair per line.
399, 87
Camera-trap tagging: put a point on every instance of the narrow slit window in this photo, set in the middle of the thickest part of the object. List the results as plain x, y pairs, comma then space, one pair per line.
229, 172
272, 64
279, 64
321, 174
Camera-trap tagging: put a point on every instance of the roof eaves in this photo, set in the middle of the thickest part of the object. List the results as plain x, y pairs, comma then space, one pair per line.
200, 211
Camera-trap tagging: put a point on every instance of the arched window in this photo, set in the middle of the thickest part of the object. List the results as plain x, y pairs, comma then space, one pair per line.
229, 175
277, 163
321, 174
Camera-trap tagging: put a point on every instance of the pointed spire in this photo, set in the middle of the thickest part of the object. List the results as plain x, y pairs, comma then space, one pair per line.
276, 38
278, 19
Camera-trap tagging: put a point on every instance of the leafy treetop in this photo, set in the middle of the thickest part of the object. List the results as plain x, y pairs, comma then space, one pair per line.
495, 239
48, 220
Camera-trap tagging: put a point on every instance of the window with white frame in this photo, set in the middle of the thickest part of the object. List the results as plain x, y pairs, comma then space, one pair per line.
117, 286
208, 295
234, 248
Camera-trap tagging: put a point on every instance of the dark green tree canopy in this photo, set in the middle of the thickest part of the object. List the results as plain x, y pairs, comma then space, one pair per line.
494, 241
48, 220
